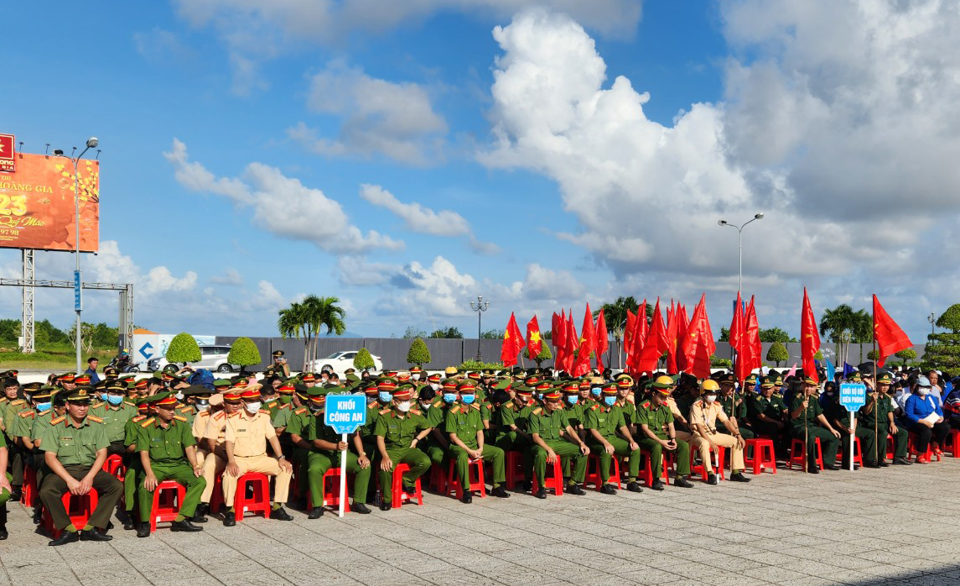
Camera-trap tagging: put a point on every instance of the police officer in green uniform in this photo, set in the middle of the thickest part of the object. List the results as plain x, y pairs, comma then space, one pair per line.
876, 419
11, 406
513, 433
115, 412
806, 414
655, 423
168, 451
75, 447
280, 366
434, 409
547, 426
30, 430
398, 432
324, 454
734, 405
464, 427
5, 487
768, 415
134, 475
604, 421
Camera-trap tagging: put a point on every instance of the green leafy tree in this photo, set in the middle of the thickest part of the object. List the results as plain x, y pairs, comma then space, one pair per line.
418, 354
9, 330
862, 332
412, 332
775, 335
720, 362
291, 323
447, 333
183, 348
306, 318
818, 355
777, 353
363, 360
615, 316
839, 323
906, 355
872, 355
943, 350
544, 355
492, 335
725, 334
243, 353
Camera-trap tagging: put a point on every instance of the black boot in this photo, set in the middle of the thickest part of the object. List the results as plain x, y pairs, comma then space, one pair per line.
500, 492
200, 515
3, 523
184, 525
143, 529
229, 519
360, 508
315, 513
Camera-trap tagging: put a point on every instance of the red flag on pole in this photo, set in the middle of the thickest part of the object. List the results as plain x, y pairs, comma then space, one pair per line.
655, 344
534, 341
512, 342
587, 345
602, 342
628, 335
571, 343
890, 338
699, 345
556, 336
736, 326
672, 341
751, 339
639, 336
809, 338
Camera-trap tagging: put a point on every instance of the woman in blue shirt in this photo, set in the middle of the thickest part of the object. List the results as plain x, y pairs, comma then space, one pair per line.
917, 410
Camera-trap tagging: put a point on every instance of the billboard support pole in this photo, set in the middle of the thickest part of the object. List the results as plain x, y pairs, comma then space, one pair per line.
27, 329
92, 143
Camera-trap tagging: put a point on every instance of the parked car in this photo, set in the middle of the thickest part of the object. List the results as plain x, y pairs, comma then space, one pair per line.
339, 362
211, 358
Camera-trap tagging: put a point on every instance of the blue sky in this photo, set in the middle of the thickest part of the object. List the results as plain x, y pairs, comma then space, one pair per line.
407, 159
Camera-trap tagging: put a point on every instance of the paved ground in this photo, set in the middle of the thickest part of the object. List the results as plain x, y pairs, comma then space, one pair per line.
893, 526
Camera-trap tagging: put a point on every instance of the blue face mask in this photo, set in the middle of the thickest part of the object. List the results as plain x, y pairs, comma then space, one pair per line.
572, 399
386, 397
609, 401
467, 399
449, 397
43, 406
103, 396
114, 399
595, 391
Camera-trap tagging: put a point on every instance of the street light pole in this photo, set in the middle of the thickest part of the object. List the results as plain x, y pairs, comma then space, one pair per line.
92, 143
933, 321
739, 230
479, 306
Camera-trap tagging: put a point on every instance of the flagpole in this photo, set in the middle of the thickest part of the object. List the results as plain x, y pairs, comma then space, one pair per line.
876, 425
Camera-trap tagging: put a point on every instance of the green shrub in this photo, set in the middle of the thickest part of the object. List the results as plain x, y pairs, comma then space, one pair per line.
777, 353
243, 352
363, 360
418, 354
183, 348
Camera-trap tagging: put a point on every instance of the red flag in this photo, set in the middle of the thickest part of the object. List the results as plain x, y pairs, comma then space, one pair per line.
890, 338
628, 335
512, 342
557, 335
682, 324
655, 344
571, 343
603, 343
672, 341
809, 338
736, 326
750, 343
534, 343
639, 336
698, 345
587, 345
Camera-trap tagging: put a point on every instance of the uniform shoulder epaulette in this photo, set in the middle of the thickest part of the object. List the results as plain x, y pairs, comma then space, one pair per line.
300, 411
3, 400
94, 418
646, 405
219, 415
203, 414
537, 410
97, 405
234, 414
287, 406
180, 418
385, 411
185, 408
131, 403
416, 412
17, 402
594, 407
475, 406
60, 419
267, 411
146, 422
508, 404
26, 414
138, 418
437, 403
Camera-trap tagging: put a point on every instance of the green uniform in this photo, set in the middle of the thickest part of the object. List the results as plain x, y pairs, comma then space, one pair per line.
131, 430
656, 419
398, 430
866, 422
773, 408
319, 461
839, 418
808, 426
166, 447
514, 413
115, 421
551, 427
15, 453
740, 415
273, 406
298, 423
76, 448
466, 421
607, 420
4, 494
435, 415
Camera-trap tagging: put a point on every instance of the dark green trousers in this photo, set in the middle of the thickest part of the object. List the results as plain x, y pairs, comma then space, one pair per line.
418, 462
491, 454
180, 472
867, 443
682, 453
828, 444
621, 447
567, 450
108, 490
319, 462
511, 441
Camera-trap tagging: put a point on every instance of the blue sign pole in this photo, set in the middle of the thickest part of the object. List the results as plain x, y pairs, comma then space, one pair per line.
853, 396
345, 414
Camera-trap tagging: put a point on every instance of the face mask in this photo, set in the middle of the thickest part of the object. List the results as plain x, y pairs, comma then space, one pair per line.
609, 401
435, 386
314, 407
43, 406
573, 399
595, 391
179, 396
467, 399
103, 396
252, 407
271, 400
372, 400
403, 406
114, 400
385, 397
202, 406
449, 397
425, 406
286, 399
922, 391
709, 398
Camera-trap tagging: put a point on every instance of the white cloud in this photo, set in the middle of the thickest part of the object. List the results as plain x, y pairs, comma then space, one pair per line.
282, 205
231, 277
161, 46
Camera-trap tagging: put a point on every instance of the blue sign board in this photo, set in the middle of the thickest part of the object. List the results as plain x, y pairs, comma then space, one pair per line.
144, 349
77, 298
853, 396
345, 413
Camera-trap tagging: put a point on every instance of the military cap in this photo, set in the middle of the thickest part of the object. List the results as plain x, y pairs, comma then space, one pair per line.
404, 392
67, 378
78, 395
308, 377
162, 400
350, 370
571, 388
750, 380
473, 375
115, 387
467, 386
317, 394
767, 382
31, 387
231, 397
523, 390
352, 378
81, 379
450, 385
810, 380
544, 386
532, 381
386, 384
371, 388
221, 384
884, 378
610, 389
434, 378
553, 395
727, 379
44, 392
502, 385
286, 388
277, 353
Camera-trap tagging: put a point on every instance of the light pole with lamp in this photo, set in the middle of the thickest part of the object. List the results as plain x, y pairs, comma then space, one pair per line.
932, 318
756, 217
92, 143
479, 306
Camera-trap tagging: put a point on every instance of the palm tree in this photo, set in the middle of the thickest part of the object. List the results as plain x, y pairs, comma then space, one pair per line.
840, 322
862, 332
291, 324
323, 312
615, 316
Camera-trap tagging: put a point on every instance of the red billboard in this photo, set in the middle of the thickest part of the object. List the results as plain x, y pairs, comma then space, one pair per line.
7, 162
37, 204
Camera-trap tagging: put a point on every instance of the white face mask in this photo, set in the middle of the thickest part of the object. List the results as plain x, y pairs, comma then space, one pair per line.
252, 407
179, 396
709, 398
922, 391
435, 386
403, 406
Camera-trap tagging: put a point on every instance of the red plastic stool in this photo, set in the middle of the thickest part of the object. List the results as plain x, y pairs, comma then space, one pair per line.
295, 482
953, 444
28, 491
759, 453
476, 479
648, 468
555, 482
259, 502
912, 450
514, 465
114, 467
331, 497
891, 447
216, 497
594, 477
79, 509
798, 453
167, 499
857, 456
719, 455
396, 488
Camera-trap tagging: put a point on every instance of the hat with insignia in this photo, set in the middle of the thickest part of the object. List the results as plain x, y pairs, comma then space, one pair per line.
523, 390
609, 389
44, 392
552, 395
167, 400
277, 353
249, 394
474, 375
350, 370
532, 381
67, 378
767, 382
572, 388
884, 378
285, 388
810, 380
403, 392
371, 388
450, 385
727, 379
116, 387
467, 386
78, 395
434, 378
231, 397
386, 384
544, 386
415, 370
221, 384
750, 380
317, 394
308, 377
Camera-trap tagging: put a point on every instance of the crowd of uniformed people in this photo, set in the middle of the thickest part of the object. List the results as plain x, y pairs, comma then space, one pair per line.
123, 436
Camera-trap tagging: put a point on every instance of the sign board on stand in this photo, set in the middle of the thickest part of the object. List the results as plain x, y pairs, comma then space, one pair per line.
853, 396
345, 414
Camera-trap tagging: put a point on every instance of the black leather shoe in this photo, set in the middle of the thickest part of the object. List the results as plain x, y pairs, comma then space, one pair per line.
129, 525
883, 464
185, 525
832, 467
574, 489
608, 489
527, 485
634, 487
712, 479
360, 508
739, 477
143, 530
386, 505
541, 493
813, 469
682, 482
94, 535
37, 515
902, 461
280, 515
657, 485
65, 537
871, 465
500, 492
229, 519
3, 533
315, 513
200, 515
15, 494
467, 498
